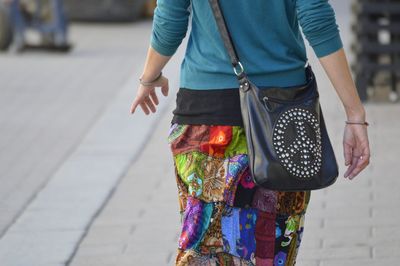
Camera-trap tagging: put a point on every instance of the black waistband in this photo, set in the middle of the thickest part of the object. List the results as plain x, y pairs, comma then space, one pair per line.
210, 107
215, 106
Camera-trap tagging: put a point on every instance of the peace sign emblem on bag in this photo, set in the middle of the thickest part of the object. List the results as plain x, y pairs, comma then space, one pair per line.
299, 150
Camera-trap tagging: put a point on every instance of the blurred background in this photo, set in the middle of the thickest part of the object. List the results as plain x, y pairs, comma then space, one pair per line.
83, 182
50, 19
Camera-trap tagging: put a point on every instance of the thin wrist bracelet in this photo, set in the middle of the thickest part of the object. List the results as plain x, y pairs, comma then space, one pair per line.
150, 83
358, 123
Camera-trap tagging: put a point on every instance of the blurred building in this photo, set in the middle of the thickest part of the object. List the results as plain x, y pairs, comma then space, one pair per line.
107, 11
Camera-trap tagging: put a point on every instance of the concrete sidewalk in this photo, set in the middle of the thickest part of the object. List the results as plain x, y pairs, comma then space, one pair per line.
139, 225
49, 101
67, 137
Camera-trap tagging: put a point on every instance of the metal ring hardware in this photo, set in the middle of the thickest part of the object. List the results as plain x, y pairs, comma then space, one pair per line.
236, 70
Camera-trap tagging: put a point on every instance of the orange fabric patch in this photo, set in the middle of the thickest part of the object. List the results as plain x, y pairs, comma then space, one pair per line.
220, 137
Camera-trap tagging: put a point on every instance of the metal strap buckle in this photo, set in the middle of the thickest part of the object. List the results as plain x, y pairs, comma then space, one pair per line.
236, 70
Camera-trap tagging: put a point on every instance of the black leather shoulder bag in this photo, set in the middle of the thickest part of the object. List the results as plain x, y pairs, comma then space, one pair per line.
288, 144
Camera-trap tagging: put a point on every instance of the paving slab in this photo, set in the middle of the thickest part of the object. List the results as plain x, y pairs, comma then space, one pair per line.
49, 101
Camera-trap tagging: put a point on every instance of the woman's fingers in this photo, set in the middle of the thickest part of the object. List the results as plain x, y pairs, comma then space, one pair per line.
150, 104
359, 166
356, 167
347, 152
356, 150
135, 103
144, 108
351, 167
147, 97
362, 162
154, 97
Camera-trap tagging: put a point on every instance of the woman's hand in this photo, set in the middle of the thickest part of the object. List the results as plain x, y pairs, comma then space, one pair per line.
355, 139
356, 149
146, 96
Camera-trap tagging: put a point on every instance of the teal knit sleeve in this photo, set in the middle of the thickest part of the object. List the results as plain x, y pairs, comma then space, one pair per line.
318, 23
170, 23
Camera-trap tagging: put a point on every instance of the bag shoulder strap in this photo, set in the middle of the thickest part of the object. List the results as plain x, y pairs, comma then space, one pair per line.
226, 37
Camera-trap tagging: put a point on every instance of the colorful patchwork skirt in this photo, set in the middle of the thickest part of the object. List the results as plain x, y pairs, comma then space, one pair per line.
227, 219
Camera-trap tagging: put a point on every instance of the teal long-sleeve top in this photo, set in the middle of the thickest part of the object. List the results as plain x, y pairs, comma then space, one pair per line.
266, 34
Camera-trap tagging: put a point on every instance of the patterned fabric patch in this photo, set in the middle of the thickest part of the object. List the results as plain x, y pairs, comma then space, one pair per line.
220, 137
217, 141
191, 139
175, 131
196, 220
245, 190
264, 262
204, 175
280, 259
214, 173
287, 237
182, 191
236, 166
192, 258
238, 143
265, 200
290, 203
238, 232
212, 242
265, 235
212, 179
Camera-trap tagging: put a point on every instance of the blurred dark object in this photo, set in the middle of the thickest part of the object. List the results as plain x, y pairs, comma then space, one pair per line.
45, 17
376, 46
5, 28
105, 10
150, 6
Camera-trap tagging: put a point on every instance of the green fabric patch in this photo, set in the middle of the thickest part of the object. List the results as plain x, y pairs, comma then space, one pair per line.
238, 143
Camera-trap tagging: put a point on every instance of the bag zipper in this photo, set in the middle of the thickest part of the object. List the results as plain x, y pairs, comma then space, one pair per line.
272, 99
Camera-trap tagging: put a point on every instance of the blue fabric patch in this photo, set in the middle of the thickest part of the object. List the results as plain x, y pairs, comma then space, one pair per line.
238, 231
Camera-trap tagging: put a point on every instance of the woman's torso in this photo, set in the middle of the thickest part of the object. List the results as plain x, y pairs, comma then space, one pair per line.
269, 43
266, 36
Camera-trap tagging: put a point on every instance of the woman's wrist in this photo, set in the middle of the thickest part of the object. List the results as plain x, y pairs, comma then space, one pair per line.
145, 82
355, 113
148, 77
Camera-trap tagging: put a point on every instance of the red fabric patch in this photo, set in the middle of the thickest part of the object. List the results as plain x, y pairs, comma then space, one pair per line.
265, 235
191, 140
220, 137
264, 262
